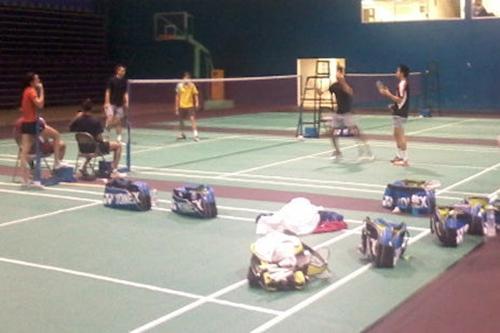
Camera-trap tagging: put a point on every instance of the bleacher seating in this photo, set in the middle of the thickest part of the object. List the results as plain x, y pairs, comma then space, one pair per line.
67, 49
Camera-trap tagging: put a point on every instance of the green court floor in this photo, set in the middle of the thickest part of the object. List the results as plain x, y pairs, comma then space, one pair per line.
69, 264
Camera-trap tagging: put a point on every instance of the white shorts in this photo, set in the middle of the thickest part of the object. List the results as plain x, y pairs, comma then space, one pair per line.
399, 122
114, 111
343, 120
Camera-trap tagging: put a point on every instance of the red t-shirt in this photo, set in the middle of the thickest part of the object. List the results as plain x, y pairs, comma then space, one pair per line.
28, 107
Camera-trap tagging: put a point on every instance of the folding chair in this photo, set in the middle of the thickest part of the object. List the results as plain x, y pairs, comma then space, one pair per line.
88, 148
46, 150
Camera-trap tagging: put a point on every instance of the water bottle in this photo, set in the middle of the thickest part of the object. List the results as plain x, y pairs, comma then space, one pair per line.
491, 230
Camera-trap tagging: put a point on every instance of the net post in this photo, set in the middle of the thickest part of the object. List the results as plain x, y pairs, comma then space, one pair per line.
127, 123
38, 156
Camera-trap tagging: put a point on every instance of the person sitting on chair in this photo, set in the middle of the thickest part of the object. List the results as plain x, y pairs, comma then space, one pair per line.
46, 142
33, 98
84, 121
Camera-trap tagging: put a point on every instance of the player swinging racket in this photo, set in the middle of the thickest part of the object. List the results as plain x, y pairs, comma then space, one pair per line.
400, 110
343, 118
186, 104
116, 100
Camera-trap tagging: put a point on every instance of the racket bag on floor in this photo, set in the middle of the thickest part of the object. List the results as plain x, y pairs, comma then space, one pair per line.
194, 200
122, 193
382, 242
477, 210
410, 197
451, 223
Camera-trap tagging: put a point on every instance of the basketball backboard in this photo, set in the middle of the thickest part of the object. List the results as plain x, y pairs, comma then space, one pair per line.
173, 26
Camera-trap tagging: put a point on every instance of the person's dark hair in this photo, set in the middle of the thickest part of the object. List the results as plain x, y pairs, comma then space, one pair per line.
186, 74
28, 78
340, 69
117, 67
87, 105
405, 70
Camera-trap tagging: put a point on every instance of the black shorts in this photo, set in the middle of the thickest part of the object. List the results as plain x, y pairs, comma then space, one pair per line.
187, 112
30, 127
104, 147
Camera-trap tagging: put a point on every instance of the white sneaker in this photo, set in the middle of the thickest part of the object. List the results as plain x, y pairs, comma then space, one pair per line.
61, 165
119, 138
366, 157
32, 185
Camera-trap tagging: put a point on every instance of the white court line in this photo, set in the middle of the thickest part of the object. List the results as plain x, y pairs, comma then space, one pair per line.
136, 285
468, 179
221, 292
438, 127
57, 212
182, 144
46, 195
268, 182
336, 285
266, 166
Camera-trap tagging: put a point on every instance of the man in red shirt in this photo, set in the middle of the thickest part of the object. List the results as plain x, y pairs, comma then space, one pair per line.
33, 98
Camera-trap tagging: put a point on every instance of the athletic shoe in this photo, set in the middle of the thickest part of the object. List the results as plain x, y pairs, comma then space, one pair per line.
61, 165
366, 157
32, 185
336, 156
181, 137
196, 139
403, 163
396, 159
119, 138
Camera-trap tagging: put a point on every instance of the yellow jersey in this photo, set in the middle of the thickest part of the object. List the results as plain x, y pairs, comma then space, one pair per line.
186, 92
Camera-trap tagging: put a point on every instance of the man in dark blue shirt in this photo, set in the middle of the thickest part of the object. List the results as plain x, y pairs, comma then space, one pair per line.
343, 118
86, 122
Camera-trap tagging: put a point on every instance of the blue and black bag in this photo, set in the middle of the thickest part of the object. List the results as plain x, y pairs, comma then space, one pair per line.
383, 242
451, 223
410, 197
126, 194
194, 200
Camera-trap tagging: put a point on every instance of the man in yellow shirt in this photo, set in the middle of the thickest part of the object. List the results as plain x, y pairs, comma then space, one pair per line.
186, 104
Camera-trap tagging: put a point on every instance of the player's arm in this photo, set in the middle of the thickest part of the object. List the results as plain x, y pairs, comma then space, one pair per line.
177, 99
196, 98
346, 87
125, 99
107, 101
384, 91
39, 99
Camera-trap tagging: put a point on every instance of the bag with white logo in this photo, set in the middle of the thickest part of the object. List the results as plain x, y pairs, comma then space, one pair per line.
126, 194
411, 197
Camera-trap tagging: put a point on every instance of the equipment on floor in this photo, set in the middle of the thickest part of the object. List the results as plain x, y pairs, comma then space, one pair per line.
383, 242
283, 262
122, 193
194, 200
411, 197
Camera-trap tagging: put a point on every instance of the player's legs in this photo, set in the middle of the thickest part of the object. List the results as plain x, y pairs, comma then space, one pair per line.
400, 138
116, 148
192, 117
182, 117
337, 122
50, 134
363, 147
119, 114
27, 141
108, 111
